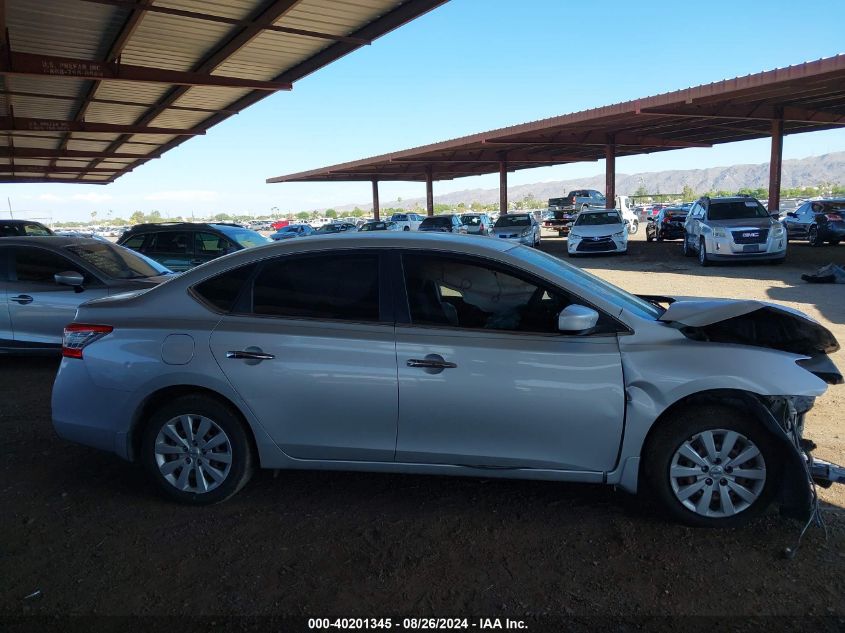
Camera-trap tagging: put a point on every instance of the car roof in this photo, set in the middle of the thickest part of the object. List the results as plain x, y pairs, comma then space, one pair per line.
50, 241
19, 221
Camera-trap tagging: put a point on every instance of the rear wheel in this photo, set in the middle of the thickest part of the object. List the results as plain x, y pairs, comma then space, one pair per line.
196, 450
688, 252
712, 466
407, 228
633, 227
813, 236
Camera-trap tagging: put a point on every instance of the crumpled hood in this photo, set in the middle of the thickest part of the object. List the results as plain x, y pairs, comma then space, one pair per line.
750, 322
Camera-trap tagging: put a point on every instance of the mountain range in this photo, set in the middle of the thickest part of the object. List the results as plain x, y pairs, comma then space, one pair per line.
811, 171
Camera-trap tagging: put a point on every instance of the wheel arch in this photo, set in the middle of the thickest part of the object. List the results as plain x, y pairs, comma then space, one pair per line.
170, 393
794, 493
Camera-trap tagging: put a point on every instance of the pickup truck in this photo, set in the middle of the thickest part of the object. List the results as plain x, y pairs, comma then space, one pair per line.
407, 221
563, 211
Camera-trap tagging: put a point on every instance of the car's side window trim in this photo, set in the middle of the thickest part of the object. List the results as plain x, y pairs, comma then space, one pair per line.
403, 309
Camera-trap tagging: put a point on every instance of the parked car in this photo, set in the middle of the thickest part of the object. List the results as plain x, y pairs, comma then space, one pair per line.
407, 221
521, 228
335, 228
400, 326
44, 279
292, 230
733, 229
180, 246
577, 200
477, 223
446, 223
22, 228
817, 221
598, 231
668, 224
380, 225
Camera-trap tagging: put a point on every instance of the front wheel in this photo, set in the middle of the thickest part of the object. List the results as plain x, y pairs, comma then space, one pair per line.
702, 254
687, 250
196, 450
712, 466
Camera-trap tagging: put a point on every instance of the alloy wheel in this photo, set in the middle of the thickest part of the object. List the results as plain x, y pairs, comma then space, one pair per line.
193, 453
717, 473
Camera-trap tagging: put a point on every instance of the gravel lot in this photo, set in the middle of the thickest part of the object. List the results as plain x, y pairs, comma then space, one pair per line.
84, 528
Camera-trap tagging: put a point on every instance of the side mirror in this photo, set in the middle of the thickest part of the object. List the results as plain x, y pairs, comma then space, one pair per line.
792, 214
577, 318
70, 278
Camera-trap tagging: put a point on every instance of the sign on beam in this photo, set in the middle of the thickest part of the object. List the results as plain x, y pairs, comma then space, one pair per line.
41, 65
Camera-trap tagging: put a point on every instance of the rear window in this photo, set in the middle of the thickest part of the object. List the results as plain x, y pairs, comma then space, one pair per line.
438, 222
471, 220
399, 217
512, 220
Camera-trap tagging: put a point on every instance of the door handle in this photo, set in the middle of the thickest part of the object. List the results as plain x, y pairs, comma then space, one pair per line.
21, 299
432, 363
249, 355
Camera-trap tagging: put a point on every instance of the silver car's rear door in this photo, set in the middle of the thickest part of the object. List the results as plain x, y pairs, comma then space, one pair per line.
312, 353
39, 308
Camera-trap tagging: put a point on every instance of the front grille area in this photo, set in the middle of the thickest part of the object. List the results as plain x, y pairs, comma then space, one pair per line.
750, 236
592, 245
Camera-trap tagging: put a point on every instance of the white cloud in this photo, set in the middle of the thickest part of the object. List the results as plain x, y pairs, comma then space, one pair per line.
91, 197
185, 195
50, 197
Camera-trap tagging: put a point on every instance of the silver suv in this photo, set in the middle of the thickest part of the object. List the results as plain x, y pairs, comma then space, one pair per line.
731, 229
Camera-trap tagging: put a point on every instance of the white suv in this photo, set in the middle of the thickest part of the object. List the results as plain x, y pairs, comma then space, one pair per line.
407, 221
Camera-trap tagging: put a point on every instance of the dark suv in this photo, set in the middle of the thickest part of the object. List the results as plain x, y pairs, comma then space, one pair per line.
447, 223
183, 245
23, 228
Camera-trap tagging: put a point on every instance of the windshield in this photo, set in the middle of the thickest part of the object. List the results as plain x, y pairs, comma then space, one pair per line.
578, 278
245, 237
117, 262
736, 210
594, 219
512, 220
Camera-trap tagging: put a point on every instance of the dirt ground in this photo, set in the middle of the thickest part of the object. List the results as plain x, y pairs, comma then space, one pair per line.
85, 530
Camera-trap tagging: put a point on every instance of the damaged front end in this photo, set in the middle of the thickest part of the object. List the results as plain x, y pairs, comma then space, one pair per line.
760, 324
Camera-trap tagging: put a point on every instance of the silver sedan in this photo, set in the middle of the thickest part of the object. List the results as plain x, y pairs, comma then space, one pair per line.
582, 381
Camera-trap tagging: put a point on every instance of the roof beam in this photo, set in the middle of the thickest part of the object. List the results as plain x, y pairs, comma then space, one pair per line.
195, 15
42, 169
38, 180
8, 123
136, 104
752, 112
28, 64
37, 152
624, 141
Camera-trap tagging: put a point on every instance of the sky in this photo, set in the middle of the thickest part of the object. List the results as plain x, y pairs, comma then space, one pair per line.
466, 67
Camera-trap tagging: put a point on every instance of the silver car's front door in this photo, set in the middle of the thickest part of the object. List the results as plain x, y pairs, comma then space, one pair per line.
313, 355
39, 308
486, 380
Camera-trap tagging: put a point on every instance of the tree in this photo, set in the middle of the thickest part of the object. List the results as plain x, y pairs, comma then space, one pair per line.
137, 217
330, 213
357, 213
220, 217
688, 194
303, 215
641, 191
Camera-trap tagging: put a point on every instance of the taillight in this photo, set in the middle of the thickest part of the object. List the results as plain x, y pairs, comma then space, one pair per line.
79, 335
666, 220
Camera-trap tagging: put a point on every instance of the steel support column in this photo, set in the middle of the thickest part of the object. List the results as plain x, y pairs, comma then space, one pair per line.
375, 200
503, 186
775, 165
429, 192
610, 173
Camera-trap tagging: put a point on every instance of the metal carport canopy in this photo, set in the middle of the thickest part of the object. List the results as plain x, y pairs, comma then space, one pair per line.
90, 89
803, 98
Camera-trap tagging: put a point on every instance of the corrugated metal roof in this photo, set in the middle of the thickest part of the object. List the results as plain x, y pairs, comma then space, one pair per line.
69, 109
807, 97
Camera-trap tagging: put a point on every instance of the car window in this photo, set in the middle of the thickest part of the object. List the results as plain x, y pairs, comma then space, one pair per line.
135, 242
33, 228
116, 262
39, 265
319, 287
171, 242
223, 290
211, 245
508, 220
469, 293
244, 237
436, 221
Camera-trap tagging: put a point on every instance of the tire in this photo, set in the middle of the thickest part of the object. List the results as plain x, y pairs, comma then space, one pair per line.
225, 433
688, 252
633, 227
648, 237
834, 242
813, 236
676, 458
702, 254
407, 228
778, 262
658, 236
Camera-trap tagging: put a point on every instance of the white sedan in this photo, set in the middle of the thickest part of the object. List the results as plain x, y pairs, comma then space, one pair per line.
598, 231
